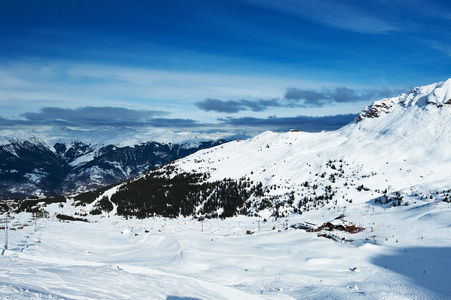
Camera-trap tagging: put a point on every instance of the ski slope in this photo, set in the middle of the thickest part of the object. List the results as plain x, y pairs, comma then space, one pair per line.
403, 253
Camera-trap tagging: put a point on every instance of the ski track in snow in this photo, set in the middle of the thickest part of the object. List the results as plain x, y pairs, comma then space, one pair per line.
113, 258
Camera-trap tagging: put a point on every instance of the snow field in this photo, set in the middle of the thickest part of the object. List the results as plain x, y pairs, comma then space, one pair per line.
114, 258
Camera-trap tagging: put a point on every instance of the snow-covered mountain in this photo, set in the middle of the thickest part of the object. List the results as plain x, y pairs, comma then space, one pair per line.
366, 214
399, 148
62, 160
436, 94
119, 136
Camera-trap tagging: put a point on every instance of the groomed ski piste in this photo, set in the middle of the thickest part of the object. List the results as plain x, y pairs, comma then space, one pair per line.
391, 179
403, 253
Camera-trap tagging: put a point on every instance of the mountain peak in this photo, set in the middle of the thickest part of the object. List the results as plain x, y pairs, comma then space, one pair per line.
436, 94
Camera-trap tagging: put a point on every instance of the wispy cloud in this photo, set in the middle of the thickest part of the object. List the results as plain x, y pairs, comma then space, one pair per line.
86, 117
33, 85
232, 106
90, 113
175, 123
89, 117
296, 97
8, 123
304, 123
309, 98
338, 14
442, 46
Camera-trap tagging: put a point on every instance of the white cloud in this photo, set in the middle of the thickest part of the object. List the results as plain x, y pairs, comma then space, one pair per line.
337, 14
441, 46
31, 86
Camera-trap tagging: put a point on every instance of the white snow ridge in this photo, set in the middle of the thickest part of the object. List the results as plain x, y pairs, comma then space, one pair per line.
385, 233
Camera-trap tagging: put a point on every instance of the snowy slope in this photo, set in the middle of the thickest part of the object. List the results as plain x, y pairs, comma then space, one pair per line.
395, 156
402, 254
407, 147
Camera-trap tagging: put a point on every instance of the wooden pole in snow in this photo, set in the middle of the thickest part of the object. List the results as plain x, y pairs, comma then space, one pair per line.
6, 232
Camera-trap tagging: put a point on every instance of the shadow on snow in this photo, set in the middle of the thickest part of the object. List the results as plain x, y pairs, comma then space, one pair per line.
428, 267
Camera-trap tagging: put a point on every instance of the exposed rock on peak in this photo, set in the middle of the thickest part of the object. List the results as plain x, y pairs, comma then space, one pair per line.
436, 94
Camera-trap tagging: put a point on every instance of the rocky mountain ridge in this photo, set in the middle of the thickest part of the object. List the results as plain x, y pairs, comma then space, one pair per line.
436, 94
32, 167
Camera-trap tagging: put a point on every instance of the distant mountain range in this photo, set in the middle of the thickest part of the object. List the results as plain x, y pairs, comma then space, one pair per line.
67, 161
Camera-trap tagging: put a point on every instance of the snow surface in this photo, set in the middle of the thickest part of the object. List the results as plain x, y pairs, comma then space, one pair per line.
403, 253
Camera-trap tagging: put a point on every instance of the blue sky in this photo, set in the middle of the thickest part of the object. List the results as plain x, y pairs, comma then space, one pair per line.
204, 65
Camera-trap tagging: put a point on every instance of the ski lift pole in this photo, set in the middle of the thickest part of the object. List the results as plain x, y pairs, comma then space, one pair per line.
6, 232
